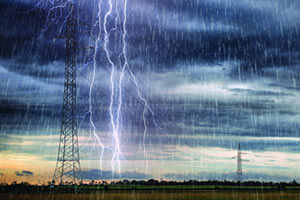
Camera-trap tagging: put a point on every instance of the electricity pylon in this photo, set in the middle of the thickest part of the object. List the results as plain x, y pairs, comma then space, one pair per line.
68, 169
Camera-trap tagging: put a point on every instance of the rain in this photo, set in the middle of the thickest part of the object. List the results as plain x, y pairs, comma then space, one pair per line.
169, 90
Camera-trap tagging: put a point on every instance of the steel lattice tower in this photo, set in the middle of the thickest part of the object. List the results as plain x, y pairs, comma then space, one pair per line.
68, 169
239, 171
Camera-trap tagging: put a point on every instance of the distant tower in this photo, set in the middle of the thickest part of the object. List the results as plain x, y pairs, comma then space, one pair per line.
67, 169
239, 171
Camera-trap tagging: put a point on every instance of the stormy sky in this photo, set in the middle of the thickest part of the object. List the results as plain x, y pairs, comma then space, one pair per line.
215, 73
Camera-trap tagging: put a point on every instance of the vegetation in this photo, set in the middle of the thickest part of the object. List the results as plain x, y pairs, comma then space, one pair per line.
152, 185
154, 190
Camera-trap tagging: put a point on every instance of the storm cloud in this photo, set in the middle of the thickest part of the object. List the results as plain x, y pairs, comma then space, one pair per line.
24, 173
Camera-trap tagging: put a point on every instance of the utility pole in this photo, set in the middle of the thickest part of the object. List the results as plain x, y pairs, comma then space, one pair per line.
67, 170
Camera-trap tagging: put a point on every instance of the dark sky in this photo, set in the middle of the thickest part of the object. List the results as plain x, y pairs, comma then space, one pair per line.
215, 73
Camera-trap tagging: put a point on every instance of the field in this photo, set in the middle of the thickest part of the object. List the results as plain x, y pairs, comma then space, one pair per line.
159, 195
215, 190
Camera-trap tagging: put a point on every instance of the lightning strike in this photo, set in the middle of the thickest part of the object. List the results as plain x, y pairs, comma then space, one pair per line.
115, 157
92, 85
115, 82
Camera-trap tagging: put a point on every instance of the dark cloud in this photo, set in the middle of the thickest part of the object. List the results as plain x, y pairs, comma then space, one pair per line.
247, 176
108, 175
24, 173
259, 40
239, 91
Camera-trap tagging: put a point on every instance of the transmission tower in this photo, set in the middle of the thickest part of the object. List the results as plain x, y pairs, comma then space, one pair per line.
239, 171
68, 169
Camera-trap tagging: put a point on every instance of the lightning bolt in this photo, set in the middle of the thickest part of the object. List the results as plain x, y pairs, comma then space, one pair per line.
92, 84
55, 6
115, 126
115, 82
135, 81
115, 120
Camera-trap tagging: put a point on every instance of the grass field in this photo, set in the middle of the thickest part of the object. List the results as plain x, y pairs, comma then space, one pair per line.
160, 195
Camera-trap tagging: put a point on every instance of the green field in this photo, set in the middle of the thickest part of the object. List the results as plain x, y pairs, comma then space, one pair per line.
159, 195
